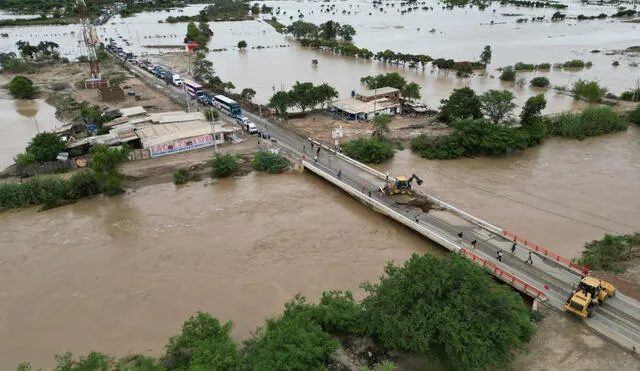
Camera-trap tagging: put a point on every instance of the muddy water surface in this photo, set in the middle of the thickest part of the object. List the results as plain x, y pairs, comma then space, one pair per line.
21, 120
121, 274
560, 194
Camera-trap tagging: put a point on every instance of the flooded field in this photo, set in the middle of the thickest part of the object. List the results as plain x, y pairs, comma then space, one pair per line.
22, 119
458, 34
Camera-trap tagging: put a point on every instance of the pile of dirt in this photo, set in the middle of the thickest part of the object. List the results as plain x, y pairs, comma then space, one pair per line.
418, 201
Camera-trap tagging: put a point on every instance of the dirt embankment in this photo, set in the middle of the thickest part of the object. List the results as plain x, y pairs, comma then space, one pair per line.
62, 85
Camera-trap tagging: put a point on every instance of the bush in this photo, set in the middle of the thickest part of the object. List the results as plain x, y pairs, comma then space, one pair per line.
45, 146
524, 67
540, 82
339, 313
25, 159
611, 252
203, 344
224, 165
466, 320
84, 184
16, 65
634, 116
269, 162
21, 87
34, 191
93, 361
373, 150
181, 175
591, 121
575, 63
631, 95
508, 74
590, 90
291, 342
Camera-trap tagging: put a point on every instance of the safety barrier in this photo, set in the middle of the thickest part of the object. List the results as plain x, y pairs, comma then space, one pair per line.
505, 276
548, 254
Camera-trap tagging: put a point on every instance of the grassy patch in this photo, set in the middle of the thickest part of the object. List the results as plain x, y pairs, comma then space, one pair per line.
590, 122
270, 162
611, 252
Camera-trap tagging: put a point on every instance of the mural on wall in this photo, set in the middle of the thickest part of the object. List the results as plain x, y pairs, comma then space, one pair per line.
181, 145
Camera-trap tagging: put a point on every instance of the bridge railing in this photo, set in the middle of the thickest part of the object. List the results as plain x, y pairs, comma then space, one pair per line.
505, 276
573, 266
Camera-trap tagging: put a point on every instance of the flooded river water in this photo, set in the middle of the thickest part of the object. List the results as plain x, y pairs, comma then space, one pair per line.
120, 274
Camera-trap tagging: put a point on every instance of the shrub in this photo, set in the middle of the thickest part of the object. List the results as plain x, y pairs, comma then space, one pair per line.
84, 184
454, 321
21, 87
34, 191
104, 160
543, 66
93, 361
590, 90
181, 175
291, 342
634, 116
591, 121
631, 95
203, 344
524, 67
45, 146
574, 63
540, 82
339, 313
532, 109
611, 252
269, 162
224, 165
508, 74
25, 159
372, 150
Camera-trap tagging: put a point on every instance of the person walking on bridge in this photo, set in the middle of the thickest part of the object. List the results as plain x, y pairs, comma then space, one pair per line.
513, 248
499, 255
460, 237
339, 173
473, 244
529, 260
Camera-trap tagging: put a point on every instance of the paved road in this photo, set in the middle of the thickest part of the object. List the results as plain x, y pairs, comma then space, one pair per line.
618, 319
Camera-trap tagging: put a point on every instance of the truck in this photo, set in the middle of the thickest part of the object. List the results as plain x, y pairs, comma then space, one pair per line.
176, 80
247, 125
157, 70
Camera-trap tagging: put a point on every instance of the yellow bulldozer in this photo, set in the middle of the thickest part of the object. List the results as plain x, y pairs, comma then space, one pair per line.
400, 185
590, 293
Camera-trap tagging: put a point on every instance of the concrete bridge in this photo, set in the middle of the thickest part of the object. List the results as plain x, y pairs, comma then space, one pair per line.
549, 279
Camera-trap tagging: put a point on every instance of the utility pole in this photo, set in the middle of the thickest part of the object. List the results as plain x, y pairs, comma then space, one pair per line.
186, 95
375, 97
37, 127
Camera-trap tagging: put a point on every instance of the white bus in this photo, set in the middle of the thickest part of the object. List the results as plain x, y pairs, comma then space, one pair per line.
192, 88
227, 105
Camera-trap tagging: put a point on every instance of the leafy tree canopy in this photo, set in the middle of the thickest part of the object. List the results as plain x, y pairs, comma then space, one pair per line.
21, 87
45, 146
461, 104
497, 104
449, 309
532, 109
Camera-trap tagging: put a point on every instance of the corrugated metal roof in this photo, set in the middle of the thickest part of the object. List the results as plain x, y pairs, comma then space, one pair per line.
355, 106
133, 111
163, 133
378, 91
182, 117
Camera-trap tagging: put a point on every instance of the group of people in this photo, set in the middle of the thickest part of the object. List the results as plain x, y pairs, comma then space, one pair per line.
499, 253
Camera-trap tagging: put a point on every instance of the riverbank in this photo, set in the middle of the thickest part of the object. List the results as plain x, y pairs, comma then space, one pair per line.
39, 21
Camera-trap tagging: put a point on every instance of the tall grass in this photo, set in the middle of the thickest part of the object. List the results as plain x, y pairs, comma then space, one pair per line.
591, 121
50, 190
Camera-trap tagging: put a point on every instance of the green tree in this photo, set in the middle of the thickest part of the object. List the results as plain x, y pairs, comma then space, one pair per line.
391, 79
467, 320
372, 150
104, 160
301, 29
411, 91
497, 104
248, 94
21, 87
611, 253
485, 56
324, 93
540, 82
203, 71
270, 162
224, 165
210, 114
192, 32
381, 123
589, 90
347, 32
203, 344
242, 44
634, 116
280, 101
45, 146
303, 94
94, 361
462, 103
508, 74
291, 342
329, 30
532, 109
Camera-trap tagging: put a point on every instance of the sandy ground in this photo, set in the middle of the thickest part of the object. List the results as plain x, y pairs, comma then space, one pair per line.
320, 125
564, 343
73, 75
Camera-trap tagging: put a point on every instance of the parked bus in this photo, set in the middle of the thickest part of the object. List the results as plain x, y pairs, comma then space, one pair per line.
192, 88
227, 105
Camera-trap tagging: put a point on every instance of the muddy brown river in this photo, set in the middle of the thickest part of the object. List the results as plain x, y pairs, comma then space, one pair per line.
121, 274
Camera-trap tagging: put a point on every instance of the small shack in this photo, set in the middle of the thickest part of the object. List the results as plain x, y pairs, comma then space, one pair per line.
133, 112
379, 93
354, 109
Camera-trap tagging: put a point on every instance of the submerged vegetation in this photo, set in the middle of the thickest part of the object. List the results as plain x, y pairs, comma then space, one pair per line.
591, 121
372, 150
223, 165
404, 311
270, 162
611, 253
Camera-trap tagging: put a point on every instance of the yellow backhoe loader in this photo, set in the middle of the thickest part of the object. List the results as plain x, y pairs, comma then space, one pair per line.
590, 293
400, 185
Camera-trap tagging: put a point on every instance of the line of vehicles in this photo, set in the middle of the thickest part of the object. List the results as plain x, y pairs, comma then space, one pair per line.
192, 89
